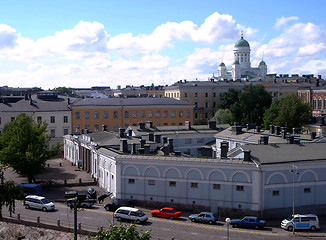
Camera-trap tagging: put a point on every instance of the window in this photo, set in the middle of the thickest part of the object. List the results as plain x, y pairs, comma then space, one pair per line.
214, 94
206, 115
142, 114
196, 115
52, 132
216, 186
276, 193
188, 141
52, 119
324, 106
86, 115
65, 131
186, 95
115, 127
77, 129
196, 94
77, 115
95, 115
96, 128
206, 104
158, 114
188, 113
115, 114
314, 103
200, 140
194, 185
65, 119
214, 104
126, 114
131, 181
39, 119
319, 103
151, 182
239, 188
134, 114
165, 113
173, 113
172, 184
86, 126
150, 114
206, 94
105, 115
165, 124
196, 104
307, 190
180, 113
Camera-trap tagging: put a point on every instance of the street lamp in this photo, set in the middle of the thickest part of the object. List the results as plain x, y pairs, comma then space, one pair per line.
228, 220
294, 171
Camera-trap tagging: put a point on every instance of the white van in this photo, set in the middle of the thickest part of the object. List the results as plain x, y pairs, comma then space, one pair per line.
38, 202
301, 221
130, 214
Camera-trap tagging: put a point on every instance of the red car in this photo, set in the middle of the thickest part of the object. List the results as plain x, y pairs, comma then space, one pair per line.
166, 213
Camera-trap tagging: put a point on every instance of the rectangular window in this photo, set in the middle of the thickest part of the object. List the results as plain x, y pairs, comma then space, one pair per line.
180, 113
142, 114
77, 129
65, 119
115, 127
206, 94
172, 184
115, 114
276, 193
105, 115
165, 124
196, 94
216, 186
86, 127
196, 104
239, 188
165, 113
39, 119
96, 128
77, 115
151, 182
158, 114
131, 181
134, 114
65, 131
307, 190
150, 114
194, 185
188, 113
214, 94
188, 141
126, 114
196, 115
86, 115
52, 119
206, 104
95, 115
173, 113
52, 132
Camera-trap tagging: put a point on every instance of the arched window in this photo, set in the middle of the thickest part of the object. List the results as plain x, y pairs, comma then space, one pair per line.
314, 103
319, 103
324, 105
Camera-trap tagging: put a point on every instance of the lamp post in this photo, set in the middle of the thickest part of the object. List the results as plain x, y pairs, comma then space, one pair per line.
113, 198
228, 220
294, 171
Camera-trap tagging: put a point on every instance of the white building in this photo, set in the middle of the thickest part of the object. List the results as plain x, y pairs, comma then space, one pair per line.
241, 68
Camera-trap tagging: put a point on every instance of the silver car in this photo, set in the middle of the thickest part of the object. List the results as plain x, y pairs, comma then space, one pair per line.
38, 202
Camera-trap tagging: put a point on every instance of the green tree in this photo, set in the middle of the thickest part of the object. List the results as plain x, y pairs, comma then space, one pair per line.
24, 146
229, 98
63, 90
288, 111
122, 232
223, 116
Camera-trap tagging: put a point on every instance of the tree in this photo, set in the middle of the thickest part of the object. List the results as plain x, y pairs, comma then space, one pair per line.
24, 146
63, 90
122, 232
229, 98
288, 111
223, 116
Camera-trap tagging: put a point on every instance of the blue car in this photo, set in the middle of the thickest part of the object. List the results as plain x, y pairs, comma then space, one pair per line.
204, 217
248, 222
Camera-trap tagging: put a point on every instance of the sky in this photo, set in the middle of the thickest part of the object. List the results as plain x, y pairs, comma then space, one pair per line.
80, 44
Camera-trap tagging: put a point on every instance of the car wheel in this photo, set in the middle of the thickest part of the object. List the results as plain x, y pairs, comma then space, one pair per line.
154, 215
290, 228
193, 220
118, 219
138, 221
235, 225
27, 206
171, 217
107, 208
210, 222
44, 209
313, 228
257, 227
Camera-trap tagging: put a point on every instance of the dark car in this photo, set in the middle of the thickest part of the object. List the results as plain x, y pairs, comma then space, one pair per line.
248, 222
204, 217
116, 203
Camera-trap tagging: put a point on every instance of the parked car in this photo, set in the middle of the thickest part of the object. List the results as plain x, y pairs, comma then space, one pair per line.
166, 213
86, 203
38, 202
204, 217
130, 214
304, 221
248, 222
116, 203
31, 189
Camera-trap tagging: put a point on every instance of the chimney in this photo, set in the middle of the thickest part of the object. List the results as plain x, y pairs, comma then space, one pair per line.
149, 124
121, 132
26, 96
68, 101
142, 143
317, 82
188, 125
258, 128
313, 135
150, 137
157, 138
104, 127
133, 148
271, 129
123, 145
165, 140
236, 129
277, 130
147, 149
165, 150
141, 150
130, 132
212, 124
246, 155
224, 149
141, 125
284, 132
170, 144
291, 139
264, 140
30, 102
82, 131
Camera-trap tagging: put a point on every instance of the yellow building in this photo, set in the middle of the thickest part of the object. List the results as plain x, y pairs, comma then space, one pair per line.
98, 114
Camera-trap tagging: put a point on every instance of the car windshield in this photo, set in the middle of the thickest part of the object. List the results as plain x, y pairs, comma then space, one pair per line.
140, 214
45, 201
289, 218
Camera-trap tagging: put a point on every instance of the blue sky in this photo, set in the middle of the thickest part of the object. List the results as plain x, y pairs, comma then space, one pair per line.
108, 43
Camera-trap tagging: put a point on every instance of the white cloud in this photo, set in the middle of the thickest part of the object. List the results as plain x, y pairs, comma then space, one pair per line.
8, 36
284, 20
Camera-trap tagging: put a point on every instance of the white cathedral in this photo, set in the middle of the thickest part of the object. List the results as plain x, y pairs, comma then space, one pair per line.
241, 69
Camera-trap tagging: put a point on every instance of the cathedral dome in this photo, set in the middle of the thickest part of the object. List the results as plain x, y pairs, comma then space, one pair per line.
222, 64
242, 43
262, 63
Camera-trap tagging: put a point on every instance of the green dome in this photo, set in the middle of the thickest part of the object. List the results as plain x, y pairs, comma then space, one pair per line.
236, 62
222, 64
242, 43
262, 63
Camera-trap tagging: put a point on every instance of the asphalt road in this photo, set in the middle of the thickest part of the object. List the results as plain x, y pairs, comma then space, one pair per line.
164, 229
